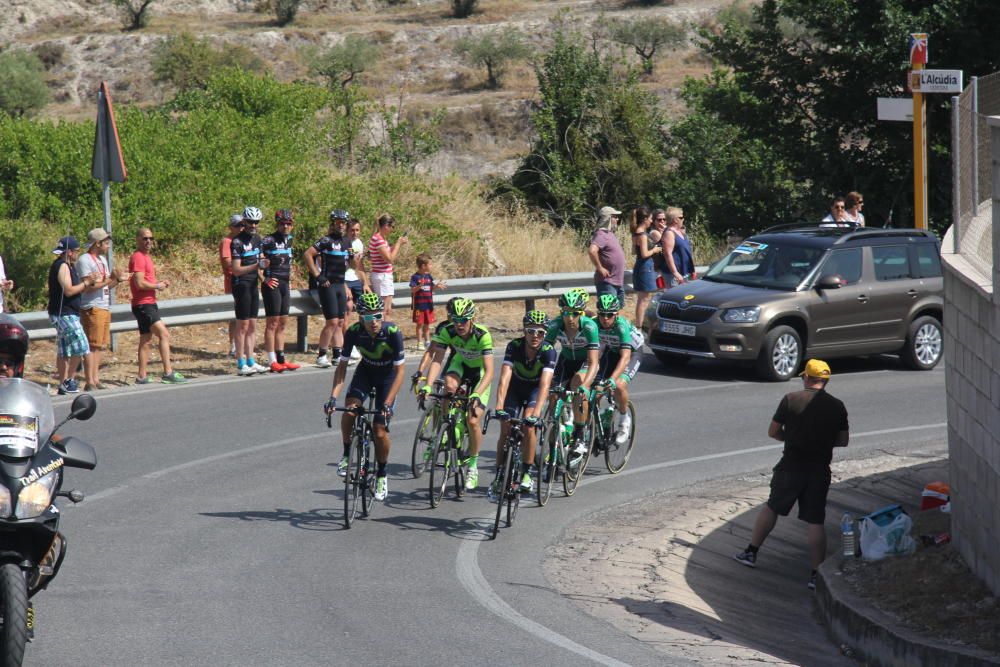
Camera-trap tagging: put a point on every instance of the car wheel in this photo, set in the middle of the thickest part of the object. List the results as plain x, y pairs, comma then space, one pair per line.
924, 344
780, 354
671, 359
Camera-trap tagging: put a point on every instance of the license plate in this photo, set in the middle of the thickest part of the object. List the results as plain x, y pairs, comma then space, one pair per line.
669, 326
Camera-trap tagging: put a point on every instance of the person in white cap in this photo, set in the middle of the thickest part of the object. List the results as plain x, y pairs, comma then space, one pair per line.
95, 304
607, 255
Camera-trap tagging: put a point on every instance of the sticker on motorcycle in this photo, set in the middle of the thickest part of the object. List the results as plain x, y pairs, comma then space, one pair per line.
18, 431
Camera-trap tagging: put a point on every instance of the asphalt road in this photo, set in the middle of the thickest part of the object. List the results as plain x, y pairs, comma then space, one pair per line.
212, 533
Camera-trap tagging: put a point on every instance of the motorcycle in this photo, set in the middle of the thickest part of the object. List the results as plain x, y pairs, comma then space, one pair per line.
32, 459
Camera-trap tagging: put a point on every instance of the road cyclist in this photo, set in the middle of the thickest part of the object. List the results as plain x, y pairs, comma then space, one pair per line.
327, 261
423, 439
276, 271
381, 368
244, 266
579, 345
620, 356
471, 363
525, 377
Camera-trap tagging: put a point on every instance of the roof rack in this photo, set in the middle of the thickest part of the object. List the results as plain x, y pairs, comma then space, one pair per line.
806, 226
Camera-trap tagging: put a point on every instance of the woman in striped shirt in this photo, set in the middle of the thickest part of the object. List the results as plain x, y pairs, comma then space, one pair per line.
382, 255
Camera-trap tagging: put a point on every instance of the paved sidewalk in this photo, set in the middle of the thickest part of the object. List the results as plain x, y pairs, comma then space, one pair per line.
661, 568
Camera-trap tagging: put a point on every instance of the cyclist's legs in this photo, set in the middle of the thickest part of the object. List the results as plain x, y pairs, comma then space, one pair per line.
381, 429
357, 392
581, 404
519, 399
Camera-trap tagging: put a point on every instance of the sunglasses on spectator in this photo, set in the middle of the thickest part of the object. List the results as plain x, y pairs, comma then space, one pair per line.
460, 320
146, 238
572, 313
374, 317
534, 332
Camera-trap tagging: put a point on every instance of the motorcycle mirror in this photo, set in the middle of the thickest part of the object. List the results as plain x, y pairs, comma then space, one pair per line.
83, 408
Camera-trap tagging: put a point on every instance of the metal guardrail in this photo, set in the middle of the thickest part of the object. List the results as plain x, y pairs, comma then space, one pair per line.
219, 308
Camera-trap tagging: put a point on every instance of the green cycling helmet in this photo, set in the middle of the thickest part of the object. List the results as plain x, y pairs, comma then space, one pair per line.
574, 299
461, 307
535, 317
608, 303
370, 302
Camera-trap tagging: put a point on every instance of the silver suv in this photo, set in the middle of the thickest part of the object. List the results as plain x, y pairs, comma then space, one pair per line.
794, 292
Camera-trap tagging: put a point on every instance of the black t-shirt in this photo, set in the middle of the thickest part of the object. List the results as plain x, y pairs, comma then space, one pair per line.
336, 252
59, 303
246, 252
812, 420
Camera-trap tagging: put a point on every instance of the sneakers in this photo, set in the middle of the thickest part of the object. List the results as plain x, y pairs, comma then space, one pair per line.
746, 557
381, 488
527, 484
472, 479
342, 467
276, 367
246, 371
323, 361
812, 582
581, 447
144, 380
257, 368
68, 387
289, 366
173, 378
624, 428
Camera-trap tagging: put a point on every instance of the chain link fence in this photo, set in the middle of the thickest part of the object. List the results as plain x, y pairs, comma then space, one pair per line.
973, 192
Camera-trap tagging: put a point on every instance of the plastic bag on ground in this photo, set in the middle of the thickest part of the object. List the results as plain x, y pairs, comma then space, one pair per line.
892, 539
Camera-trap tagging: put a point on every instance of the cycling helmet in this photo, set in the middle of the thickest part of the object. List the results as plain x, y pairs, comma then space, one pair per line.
462, 307
608, 303
574, 299
235, 220
339, 214
535, 317
14, 341
370, 302
284, 215
252, 214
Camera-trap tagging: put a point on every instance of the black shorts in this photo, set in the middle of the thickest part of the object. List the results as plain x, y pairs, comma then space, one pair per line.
356, 287
806, 486
520, 395
362, 382
333, 301
276, 299
566, 369
146, 315
246, 299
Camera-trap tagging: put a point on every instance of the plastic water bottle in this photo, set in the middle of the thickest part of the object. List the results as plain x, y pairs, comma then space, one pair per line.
847, 533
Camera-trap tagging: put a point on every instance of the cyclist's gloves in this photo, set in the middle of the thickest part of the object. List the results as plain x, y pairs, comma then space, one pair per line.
330, 405
476, 400
502, 415
387, 411
533, 421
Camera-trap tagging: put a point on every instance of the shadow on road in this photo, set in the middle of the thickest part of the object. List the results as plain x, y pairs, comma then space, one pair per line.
316, 519
711, 370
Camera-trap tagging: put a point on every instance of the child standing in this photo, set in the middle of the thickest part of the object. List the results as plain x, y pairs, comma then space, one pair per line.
422, 288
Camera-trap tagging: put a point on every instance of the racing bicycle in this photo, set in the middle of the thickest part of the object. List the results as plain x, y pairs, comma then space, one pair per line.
360, 479
602, 414
508, 493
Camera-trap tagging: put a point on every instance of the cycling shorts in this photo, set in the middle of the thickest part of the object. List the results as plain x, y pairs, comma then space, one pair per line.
610, 360
361, 384
470, 376
276, 299
520, 395
566, 369
333, 301
246, 299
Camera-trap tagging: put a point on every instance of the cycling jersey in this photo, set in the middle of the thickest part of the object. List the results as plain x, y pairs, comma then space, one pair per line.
524, 371
245, 249
620, 335
575, 348
336, 252
379, 353
277, 249
469, 352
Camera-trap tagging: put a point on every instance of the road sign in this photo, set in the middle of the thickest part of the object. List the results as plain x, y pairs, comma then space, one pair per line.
936, 81
107, 163
895, 108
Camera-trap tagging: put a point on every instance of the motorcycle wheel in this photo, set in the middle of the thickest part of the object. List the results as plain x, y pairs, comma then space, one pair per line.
14, 608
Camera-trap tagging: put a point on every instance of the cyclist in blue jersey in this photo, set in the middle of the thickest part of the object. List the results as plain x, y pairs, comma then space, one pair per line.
276, 265
327, 278
244, 264
381, 367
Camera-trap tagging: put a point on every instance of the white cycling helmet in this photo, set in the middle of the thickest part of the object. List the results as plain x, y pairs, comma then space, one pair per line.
252, 214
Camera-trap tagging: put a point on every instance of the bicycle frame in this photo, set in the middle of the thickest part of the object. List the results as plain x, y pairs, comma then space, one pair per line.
510, 487
360, 478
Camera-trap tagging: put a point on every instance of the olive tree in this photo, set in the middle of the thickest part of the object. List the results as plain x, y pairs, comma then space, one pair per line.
647, 37
493, 50
134, 13
22, 84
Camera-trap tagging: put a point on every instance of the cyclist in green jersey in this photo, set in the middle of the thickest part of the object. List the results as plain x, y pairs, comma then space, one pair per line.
578, 356
419, 376
471, 363
621, 354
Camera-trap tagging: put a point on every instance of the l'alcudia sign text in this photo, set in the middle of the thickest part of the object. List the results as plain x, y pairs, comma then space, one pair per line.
936, 81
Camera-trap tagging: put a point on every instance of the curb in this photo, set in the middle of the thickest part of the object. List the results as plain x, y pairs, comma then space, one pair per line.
877, 637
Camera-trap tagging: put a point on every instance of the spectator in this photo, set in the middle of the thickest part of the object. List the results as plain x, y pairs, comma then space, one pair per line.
643, 272
607, 256
5, 285
355, 277
677, 253
66, 285
225, 255
381, 255
837, 217
853, 203
95, 304
144, 286
328, 276
277, 265
811, 423
245, 264
422, 288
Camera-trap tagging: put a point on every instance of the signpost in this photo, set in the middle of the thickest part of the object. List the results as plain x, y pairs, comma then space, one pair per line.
918, 58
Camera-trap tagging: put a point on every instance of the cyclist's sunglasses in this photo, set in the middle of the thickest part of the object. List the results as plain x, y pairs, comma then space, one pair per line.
460, 320
534, 331
374, 317
607, 314
572, 313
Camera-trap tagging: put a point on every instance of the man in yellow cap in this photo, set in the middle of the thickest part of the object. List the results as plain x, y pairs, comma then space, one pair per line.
811, 423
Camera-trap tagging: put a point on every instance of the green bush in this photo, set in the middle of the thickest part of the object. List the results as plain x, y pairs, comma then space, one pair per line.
189, 62
493, 50
22, 84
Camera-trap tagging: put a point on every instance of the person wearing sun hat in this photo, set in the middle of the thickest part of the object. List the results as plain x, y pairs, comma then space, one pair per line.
811, 423
95, 304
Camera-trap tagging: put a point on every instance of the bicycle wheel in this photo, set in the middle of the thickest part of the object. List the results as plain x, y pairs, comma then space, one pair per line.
368, 477
352, 482
441, 468
504, 489
546, 458
574, 473
617, 455
422, 440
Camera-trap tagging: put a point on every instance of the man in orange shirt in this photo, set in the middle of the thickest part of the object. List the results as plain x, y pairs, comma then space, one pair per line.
226, 254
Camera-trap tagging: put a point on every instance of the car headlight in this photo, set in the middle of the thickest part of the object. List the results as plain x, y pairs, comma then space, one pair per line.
4, 502
36, 497
745, 314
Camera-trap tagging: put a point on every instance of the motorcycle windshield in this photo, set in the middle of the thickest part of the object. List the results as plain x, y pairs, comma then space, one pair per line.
26, 417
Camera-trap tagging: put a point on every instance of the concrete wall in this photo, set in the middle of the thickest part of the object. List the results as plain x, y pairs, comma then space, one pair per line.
972, 360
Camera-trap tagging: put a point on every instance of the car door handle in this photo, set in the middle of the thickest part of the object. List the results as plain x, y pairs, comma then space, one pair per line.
913, 294
862, 298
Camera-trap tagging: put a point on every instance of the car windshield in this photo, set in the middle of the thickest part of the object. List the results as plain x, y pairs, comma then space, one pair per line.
781, 266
